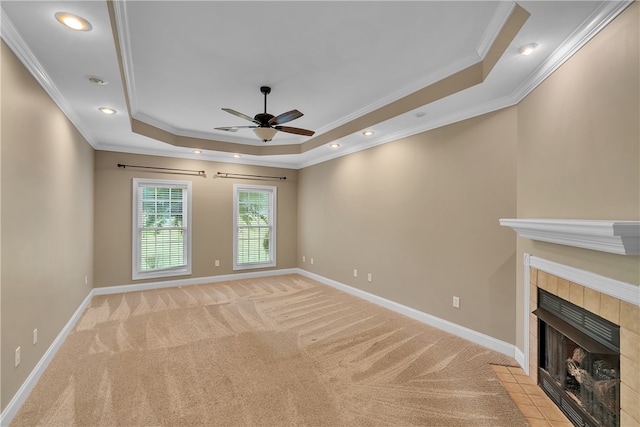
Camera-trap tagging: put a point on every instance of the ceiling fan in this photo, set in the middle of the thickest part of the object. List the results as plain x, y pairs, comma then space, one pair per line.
266, 125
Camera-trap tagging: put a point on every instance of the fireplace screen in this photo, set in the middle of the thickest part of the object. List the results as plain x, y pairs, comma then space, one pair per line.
579, 362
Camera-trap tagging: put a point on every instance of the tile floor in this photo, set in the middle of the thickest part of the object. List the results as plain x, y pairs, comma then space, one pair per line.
536, 406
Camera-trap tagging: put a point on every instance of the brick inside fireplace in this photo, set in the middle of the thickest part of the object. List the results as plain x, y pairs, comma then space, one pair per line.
619, 312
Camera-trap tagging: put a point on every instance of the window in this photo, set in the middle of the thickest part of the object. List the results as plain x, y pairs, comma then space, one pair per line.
254, 232
161, 228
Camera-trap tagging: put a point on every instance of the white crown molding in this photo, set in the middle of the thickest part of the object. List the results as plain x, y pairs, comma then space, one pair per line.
495, 25
591, 26
408, 90
616, 237
434, 123
124, 40
499, 18
16, 43
226, 137
459, 115
213, 156
428, 80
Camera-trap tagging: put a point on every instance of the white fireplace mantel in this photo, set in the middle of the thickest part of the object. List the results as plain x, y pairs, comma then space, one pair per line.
617, 237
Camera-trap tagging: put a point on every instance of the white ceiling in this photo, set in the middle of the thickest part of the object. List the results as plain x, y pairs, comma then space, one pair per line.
333, 60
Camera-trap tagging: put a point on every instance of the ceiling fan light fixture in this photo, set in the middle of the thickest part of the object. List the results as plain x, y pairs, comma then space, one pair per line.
74, 22
265, 133
266, 125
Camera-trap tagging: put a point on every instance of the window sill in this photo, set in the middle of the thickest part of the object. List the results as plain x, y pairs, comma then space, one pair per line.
253, 266
161, 273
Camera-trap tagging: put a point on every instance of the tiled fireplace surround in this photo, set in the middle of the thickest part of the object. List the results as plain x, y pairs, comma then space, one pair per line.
616, 301
620, 312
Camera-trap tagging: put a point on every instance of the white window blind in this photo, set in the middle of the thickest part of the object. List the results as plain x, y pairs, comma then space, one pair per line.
161, 228
254, 226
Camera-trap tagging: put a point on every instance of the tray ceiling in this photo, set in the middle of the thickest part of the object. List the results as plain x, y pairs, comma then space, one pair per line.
396, 68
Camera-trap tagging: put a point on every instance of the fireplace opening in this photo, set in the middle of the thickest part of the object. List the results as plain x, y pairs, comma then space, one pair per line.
579, 361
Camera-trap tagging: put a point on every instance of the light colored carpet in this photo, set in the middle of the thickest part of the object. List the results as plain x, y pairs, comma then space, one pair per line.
277, 351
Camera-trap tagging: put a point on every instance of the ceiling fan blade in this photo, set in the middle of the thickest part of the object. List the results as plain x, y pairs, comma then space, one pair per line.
244, 116
285, 117
235, 128
297, 131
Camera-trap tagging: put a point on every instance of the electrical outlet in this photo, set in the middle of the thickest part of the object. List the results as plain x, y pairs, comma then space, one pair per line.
311, 261
456, 302
217, 263
369, 277
304, 259
35, 336
17, 356
355, 273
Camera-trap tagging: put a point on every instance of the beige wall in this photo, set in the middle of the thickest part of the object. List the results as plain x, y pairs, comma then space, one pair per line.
47, 221
579, 148
421, 214
212, 209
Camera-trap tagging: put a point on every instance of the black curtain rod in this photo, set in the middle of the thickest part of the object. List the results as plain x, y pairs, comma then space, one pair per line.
120, 165
246, 176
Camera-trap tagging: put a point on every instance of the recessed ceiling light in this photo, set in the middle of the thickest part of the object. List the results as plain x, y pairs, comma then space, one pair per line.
528, 49
237, 156
73, 21
368, 132
107, 110
419, 114
97, 80
197, 152
334, 145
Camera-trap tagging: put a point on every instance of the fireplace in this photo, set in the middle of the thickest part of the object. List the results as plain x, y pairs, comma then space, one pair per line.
579, 361
605, 297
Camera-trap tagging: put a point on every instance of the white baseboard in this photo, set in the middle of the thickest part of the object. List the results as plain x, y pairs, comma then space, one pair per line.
108, 290
18, 399
519, 356
455, 329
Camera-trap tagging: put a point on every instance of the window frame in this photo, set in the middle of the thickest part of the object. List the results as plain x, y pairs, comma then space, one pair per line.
272, 191
137, 272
